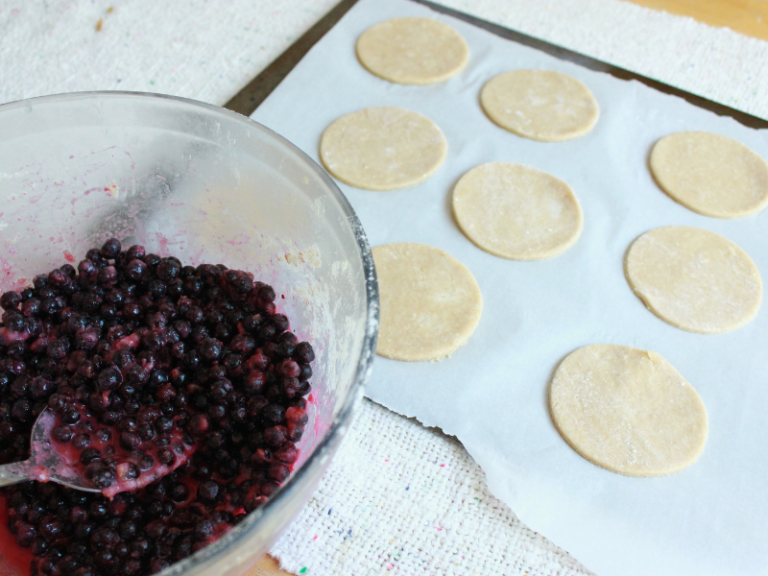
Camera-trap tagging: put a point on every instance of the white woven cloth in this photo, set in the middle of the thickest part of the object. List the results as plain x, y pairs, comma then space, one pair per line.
209, 50
716, 63
205, 50
398, 498
403, 499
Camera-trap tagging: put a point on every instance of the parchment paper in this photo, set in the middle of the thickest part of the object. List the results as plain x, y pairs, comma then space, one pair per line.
492, 394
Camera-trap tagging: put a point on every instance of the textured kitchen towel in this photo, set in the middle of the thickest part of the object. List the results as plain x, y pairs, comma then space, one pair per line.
715, 63
398, 498
402, 499
205, 50
208, 50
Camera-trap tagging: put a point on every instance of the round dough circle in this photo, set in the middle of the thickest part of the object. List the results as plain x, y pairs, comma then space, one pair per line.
516, 211
694, 279
412, 51
383, 148
710, 174
430, 302
628, 410
540, 104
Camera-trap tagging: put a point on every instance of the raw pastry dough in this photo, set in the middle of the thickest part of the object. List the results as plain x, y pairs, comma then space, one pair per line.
711, 174
430, 302
628, 410
383, 148
694, 279
516, 211
540, 104
412, 51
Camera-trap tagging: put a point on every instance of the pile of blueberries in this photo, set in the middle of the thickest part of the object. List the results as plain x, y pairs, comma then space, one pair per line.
147, 363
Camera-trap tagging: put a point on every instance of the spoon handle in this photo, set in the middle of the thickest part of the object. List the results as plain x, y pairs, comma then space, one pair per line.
15, 472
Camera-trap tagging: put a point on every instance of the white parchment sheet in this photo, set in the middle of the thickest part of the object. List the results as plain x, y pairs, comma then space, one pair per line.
492, 394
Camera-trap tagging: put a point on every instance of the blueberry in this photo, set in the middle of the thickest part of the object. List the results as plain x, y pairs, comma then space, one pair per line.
14, 322
276, 436
220, 390
41, 387
71, 416
102, 476
280, 322
198, 425
179, 492
274, 413
168, 269
223, 332
146, 433
103, 435
166, 457
110, 378
278, 471
253, 382
266, 294
304, 352
287, 453
204, 529
193, 286
296, 416
157, 378
213, 317
81, 441
25, 534
10, 300
156, 288
127, 424
31, 307
210, 349
129, 440
146, 462
127, 471
107, 276
109, 417
57, 278
89, 455
111, 249
136, 252
252, 322
305, 373
266, 332
178, 350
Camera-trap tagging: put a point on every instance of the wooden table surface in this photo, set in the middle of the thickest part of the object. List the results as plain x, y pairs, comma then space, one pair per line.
748, 17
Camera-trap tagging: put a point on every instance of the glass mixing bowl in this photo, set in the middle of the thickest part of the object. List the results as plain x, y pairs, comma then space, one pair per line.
206, 185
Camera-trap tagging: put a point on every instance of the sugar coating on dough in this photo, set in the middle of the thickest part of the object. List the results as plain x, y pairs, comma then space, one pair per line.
694, 279
516, 211
430, 302
540, 104
628, 410
383, 148
711, 174
412, 51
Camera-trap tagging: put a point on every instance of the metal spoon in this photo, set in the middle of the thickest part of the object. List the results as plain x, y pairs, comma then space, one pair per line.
44, 463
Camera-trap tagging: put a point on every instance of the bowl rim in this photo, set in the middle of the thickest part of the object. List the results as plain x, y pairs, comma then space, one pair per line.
329, 442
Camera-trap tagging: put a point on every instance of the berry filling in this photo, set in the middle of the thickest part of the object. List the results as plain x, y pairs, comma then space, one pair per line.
178, 391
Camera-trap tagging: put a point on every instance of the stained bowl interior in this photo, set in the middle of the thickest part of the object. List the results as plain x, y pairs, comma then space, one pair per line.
206, 185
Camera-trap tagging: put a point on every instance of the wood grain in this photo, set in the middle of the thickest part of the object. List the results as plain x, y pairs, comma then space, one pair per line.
268, 566
748, 17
